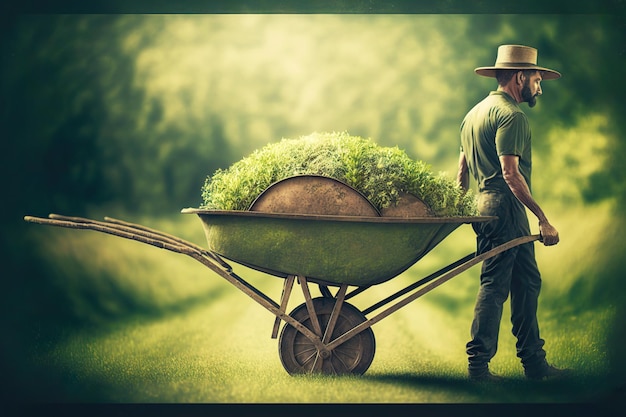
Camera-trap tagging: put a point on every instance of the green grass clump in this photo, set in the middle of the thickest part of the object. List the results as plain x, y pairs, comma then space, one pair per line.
379, 173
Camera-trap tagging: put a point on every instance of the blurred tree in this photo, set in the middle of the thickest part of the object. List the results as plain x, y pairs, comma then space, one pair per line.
81, 131
56, 111
136, 110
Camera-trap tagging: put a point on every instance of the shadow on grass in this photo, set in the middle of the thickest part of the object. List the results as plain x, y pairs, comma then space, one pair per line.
43, 317
31, 380
577, 388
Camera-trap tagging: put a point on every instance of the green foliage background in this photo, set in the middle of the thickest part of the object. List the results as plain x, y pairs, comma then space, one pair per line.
126, 115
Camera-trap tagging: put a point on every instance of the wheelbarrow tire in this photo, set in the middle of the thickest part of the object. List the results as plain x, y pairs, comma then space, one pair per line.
298, 354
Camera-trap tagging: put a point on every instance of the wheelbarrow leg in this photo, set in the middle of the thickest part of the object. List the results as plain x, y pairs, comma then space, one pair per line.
317, 329
330, 327
341, 295
284, 300
322, 354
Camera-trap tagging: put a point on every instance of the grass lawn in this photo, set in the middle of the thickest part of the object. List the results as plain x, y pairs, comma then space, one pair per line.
205, 355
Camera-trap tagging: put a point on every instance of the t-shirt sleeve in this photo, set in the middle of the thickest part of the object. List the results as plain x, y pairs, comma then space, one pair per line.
512, 135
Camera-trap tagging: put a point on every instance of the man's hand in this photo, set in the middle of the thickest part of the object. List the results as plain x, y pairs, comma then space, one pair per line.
550, 236
462, 176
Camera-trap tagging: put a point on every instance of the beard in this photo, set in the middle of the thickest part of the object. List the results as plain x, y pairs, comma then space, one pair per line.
528, 97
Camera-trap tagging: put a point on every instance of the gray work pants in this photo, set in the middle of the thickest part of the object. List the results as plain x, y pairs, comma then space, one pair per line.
512, 272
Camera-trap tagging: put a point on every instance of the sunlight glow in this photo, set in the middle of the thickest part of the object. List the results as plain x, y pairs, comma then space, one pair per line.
576, 153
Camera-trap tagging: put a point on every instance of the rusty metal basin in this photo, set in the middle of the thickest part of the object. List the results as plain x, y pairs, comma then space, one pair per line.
325, 230
333, 250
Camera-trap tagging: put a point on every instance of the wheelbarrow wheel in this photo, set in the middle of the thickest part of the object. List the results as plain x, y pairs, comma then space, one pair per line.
299, 355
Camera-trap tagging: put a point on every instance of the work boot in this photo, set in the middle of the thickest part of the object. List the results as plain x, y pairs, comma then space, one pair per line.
484, 375
545, 371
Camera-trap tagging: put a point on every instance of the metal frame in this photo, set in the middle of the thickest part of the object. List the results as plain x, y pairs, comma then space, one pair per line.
321, 340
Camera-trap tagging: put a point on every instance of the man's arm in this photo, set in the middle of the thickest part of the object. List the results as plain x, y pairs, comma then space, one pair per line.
519, 187
462, 176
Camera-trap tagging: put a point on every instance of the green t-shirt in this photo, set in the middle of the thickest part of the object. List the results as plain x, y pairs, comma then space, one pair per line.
496, 126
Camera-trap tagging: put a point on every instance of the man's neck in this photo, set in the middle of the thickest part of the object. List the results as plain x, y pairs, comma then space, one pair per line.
512, 90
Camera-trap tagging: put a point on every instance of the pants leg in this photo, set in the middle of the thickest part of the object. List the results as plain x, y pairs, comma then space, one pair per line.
525, 288
495, 278
512, 272
495, 282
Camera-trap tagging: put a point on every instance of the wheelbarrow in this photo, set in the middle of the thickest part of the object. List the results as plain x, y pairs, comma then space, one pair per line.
315, 231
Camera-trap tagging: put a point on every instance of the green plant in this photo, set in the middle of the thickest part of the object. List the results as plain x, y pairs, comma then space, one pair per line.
380, 173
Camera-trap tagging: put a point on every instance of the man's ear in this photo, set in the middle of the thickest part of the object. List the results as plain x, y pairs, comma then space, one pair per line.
520, 77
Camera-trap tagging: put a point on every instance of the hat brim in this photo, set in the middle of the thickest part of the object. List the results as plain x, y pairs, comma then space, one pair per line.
547, 74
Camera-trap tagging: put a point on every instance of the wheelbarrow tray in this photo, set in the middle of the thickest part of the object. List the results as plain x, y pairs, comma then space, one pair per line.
327, 249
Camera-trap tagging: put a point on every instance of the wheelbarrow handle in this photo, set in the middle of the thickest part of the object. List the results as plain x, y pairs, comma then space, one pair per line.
449, 274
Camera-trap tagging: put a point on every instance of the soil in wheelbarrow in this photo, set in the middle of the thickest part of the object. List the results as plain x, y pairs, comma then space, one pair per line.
387, 177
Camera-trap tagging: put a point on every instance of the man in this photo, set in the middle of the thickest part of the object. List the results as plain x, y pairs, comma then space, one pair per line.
496, 151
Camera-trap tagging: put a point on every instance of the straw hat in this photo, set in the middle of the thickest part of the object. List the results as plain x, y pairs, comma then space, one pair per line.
516, 57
